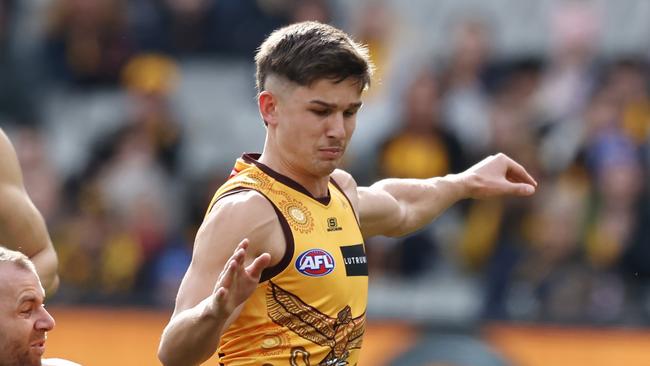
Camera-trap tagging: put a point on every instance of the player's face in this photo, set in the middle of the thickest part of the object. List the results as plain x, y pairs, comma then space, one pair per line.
317, 122
23, 319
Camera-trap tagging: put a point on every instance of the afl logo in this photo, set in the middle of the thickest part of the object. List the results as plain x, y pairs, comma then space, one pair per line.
315, 263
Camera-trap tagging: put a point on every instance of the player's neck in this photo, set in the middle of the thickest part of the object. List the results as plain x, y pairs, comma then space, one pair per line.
316, 186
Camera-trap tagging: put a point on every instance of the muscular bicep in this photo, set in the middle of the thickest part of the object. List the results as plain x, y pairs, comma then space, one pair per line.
22, 226
232, 219
379, 212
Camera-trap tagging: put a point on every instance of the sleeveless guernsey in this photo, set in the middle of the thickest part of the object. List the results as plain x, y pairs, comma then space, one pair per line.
310, 308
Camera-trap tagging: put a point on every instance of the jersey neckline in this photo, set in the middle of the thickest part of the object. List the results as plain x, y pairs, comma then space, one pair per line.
252, 158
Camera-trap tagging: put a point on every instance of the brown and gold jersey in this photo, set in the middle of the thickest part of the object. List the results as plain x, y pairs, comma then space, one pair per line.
310, 308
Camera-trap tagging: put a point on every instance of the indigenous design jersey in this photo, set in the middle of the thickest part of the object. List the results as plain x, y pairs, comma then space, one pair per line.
310, 308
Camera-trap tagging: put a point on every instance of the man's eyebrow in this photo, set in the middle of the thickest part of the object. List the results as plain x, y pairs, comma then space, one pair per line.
331, 105
27, 298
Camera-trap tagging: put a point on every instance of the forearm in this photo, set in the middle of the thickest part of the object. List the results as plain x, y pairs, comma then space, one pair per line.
420, 201
192, 336
397, 207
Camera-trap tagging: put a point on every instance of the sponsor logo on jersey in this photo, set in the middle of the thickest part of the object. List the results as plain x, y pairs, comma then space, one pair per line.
315, 263
354, 259
333, 225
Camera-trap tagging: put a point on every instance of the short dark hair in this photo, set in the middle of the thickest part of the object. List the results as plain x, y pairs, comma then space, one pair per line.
309, 51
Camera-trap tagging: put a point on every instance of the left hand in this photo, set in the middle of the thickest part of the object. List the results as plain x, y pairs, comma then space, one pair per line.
497, 175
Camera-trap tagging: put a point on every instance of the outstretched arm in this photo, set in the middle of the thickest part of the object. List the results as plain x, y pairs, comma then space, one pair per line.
396, 207
22, 227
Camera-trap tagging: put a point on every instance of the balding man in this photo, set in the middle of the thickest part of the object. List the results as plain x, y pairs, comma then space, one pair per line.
24, 322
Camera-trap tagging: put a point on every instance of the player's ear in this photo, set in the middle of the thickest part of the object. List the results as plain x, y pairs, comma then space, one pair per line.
268, 105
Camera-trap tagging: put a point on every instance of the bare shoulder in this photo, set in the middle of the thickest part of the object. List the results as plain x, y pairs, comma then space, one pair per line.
57, 362
245, 209
344, 179
245, 214
238, 216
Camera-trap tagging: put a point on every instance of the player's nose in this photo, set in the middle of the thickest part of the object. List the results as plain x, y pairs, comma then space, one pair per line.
336, 126
45, 321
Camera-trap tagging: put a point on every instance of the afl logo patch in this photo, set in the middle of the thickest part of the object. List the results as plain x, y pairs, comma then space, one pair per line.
315, 263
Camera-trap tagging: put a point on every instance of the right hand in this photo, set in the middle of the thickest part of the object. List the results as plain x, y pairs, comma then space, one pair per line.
236, 283
497, 175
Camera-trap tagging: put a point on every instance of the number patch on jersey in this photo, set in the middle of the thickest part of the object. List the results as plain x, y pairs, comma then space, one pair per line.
315, 263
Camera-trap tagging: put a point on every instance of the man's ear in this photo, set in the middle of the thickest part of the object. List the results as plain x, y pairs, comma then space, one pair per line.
268, 105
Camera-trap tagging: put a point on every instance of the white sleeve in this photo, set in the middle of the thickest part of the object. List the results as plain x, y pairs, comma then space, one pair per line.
57, 362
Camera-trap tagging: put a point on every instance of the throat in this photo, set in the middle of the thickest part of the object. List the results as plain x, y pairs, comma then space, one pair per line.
317, 187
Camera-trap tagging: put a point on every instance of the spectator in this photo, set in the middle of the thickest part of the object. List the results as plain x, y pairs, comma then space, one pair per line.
88, 41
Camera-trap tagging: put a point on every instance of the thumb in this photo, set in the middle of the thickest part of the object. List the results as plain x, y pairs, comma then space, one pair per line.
521, 189
217, 300
255, 269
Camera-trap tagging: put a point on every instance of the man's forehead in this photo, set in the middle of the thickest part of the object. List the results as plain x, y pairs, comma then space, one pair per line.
17, 280
325, 88
343, 94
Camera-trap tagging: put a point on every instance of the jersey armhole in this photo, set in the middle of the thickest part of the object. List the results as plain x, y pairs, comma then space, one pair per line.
354, 211
270, 272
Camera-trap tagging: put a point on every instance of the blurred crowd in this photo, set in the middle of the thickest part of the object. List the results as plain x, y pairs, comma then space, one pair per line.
123, 221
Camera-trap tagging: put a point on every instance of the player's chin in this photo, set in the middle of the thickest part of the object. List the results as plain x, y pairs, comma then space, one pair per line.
32, 359
37, 359
329, 163
320, 169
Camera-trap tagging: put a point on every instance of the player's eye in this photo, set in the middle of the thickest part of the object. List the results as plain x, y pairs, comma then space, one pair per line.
321, 112
349, 113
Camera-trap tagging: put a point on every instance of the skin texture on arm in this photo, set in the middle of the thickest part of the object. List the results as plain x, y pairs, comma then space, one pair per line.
22, 227
224, 272
396, 207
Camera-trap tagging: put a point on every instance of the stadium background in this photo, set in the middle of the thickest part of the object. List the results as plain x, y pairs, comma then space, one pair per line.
127, 115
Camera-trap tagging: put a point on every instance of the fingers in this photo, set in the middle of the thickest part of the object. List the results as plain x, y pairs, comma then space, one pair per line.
234, 262
235, 266
522, 184
221, 295
255, 269
226, 277
243, 244
517, 180
520, 189
220, 299
517, 173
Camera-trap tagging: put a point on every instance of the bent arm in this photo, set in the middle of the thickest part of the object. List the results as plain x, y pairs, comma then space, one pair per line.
192, 336
395, 207
222, 275
22, 227
47, 265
